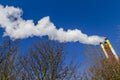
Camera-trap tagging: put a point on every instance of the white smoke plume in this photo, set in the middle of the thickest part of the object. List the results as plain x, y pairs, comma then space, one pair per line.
18, 28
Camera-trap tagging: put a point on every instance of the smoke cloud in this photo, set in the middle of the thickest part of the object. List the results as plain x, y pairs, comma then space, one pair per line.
17, 28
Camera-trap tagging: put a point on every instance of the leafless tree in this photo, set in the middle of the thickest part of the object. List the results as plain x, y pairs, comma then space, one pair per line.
9, 67
102, 68
46, 62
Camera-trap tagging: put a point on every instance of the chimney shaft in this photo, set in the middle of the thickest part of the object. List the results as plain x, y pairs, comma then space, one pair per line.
111, 48
103, 48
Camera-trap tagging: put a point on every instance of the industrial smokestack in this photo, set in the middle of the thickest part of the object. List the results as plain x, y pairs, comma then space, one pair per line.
103, 48
111, 48
18, 28
108, 49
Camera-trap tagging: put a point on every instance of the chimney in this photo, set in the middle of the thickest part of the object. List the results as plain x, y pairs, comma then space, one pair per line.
108, 49
111, 48
103, 48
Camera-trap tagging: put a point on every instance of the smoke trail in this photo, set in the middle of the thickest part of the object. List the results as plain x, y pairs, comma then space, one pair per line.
18, 28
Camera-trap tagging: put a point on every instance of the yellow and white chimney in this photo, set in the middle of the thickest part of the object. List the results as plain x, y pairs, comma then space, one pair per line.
103, 48
111, 48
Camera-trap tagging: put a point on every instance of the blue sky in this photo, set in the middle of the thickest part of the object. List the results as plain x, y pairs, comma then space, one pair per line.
99, 17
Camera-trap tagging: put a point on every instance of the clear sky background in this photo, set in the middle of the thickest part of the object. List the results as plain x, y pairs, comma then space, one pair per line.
93, 17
